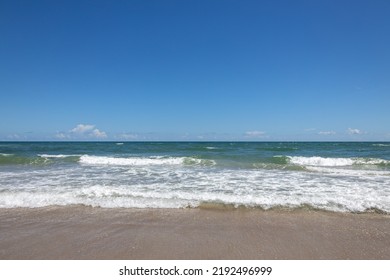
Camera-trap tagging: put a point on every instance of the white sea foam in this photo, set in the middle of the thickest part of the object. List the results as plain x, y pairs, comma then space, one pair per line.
358, 173
329, 162
320, 161
142, 161
56, 156
173, 182
357, 199
371, 161
164, 187
6, 155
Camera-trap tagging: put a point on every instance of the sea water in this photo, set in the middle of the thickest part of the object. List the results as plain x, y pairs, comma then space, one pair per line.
335, 176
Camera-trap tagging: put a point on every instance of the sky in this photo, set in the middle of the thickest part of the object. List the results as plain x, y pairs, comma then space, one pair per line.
207, 70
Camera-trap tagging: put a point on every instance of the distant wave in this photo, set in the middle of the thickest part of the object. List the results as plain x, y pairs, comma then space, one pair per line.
381, 145
278, 149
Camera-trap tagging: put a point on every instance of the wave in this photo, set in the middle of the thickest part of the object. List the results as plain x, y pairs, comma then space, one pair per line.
143, 161
46, 159
11, 159
121, 198
278, 149
336, 162
320, 161
303, 163
279, 162
217, 205
170, 186
381, 145
57, 156
102, 160
40, 159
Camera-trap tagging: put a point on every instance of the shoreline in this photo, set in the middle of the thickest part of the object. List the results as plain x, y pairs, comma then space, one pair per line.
82, 232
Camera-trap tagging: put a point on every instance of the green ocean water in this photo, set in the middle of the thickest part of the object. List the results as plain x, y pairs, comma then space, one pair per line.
336, 176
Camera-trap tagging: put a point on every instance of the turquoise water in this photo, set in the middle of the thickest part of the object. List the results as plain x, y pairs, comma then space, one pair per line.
331, 176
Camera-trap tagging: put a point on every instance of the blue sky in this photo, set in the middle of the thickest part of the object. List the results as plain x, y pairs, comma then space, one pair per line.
195, 70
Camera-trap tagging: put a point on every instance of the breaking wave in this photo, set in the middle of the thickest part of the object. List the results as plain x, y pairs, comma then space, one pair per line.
334, 162
143, 161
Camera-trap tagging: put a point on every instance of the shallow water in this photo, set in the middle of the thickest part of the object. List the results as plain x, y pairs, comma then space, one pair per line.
334, 176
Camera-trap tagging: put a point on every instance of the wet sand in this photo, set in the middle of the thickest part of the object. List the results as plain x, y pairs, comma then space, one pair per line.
79, 232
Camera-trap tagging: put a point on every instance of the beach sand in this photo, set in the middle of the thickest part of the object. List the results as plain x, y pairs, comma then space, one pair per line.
78, 232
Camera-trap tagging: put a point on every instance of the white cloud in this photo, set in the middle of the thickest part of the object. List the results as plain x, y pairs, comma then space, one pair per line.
98, 134
82, 128
86, 131
327, 133
255, 133
354, 131
61, 135
14, 136
128, 136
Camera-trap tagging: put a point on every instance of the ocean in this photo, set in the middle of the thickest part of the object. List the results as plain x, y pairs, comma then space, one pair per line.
333, 176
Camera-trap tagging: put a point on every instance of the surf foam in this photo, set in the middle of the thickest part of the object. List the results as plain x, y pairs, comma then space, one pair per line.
329, 162
142, 161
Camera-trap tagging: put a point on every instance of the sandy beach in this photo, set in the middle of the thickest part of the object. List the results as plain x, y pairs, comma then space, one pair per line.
78, 232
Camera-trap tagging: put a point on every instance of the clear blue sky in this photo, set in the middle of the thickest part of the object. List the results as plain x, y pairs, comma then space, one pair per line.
195, 70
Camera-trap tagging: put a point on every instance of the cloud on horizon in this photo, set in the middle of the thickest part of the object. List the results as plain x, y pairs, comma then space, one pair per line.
128, 136
61, 135
255, 134
88, 131
354, 131
327, 133
82, 128
82, 131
